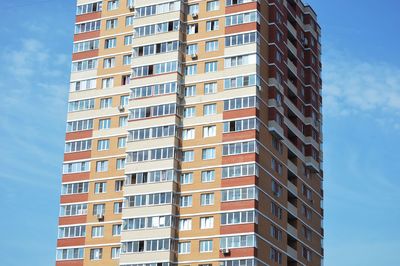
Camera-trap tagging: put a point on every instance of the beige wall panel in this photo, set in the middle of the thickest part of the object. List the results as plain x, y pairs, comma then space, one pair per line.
148, 188
145, 257
150, 144
147, 211
149, 166
146, 234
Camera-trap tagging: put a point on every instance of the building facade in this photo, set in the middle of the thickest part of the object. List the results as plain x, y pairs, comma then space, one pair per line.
193, 135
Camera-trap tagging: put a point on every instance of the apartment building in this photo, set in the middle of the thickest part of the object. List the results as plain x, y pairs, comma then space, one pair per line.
193, 135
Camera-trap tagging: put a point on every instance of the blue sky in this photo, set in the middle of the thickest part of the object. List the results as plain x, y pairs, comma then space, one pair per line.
361, 73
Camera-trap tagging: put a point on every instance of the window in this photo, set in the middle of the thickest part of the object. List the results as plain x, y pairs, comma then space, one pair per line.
240, 82
184, 248
206, 222
100, 187
276, 210
238, 241
208, 154
212, 25
189, 112
70, 254
109, 62
207, 199
115, 253
128, 40
241, 125
191, 70
241, 60
116, 230
146, 245
108, 83
191, 49
275, 255
102, 166
157, 89
157, 48
147, 222
186, 201
239, 170
82, 85
104, 123
239, 194
245, 262
206, 245
275, 232
190, 91
73, 209
123, 121
78, 167
276, 166
113, 4
240, 103
161, 68
81, 105
212, 5
80, 125
111, 23
99, 209
185, 224
241, 39
188, 134
210, 109
186, 178
276, 189
239, 148
105, 103
72, 231
148, 200
211, 66
119, 185
124, 100
210, 88
117, 207
307, 192
129, 21
110, 43
157, 28
307, 212
149, 155
74, 188
84, 65
192, 28
151, 133
76, 146
242, 18
187, 156
238, 217
121, 142
193, 9
87, 26
89, 8
157, 9
96, 253
306, 253
207, 176
211, 46
120, 164
126, 59
85, 46
97, 231
209, 131
307, 233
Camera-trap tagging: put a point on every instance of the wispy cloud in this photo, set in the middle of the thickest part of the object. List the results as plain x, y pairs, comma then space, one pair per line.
360, 87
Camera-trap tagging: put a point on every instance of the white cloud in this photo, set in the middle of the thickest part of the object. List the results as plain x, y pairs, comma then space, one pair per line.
353, 86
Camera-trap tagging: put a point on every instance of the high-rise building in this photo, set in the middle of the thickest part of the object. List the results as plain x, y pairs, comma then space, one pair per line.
193, 135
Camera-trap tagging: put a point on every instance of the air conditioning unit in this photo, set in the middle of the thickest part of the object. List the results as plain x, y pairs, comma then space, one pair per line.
121, 108
100, 216
195, 15
194, 56
131, 7
225, 251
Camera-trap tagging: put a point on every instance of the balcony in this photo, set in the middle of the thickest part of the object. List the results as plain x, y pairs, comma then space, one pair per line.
311, 162
291, 28
274, 103
292, 167
292, 188
292, 87
274, 82
292, 67
292, 230
292, 252
276, 129
291, 47
292, 209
